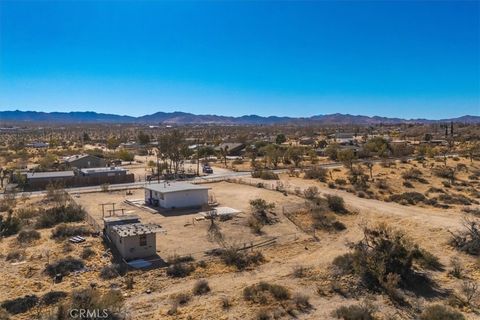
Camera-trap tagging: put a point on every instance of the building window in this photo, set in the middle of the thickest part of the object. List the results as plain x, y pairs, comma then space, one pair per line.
143, 240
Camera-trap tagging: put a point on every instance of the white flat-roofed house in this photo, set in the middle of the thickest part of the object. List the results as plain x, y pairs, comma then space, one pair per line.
176, 195
132, 239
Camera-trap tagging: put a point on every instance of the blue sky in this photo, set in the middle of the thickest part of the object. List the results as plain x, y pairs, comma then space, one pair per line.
392, 58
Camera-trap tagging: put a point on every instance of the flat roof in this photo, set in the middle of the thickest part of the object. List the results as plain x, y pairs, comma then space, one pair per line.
174, 187
102, 169
53, 174
120, 218
134, 229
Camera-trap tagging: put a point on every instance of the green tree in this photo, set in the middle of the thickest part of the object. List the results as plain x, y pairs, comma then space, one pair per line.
143, 138
280, 138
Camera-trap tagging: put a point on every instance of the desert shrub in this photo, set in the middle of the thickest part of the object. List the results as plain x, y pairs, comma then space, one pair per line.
16, 255
64, 266
336, 204
455, 199
64, 231
343, 264
201, 287
358, 178
354, 312
310, 193
260, 210
264, 174
20, 305
382, 184
435, 190
180, 270
28, 236
457, 268
444, 172
383, 259
180, 298
446, 184
87, 253
110, 272
53, 216
225, 302
92, 299
257, 292
408, 197
26, 213
240, 258
407, 184
317, 173
468, 240
300, 271
10, 225
331, 185
440, 312
413, 174
340, 182
52, 297
255, 225
301, 301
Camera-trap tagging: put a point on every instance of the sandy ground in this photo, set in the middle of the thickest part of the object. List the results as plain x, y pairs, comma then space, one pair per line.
427, 226
183, 234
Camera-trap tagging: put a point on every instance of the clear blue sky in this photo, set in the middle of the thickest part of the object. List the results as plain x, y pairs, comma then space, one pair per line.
391, 58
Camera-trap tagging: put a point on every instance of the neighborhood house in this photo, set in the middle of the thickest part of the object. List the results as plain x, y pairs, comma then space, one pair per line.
132, 239
176, 195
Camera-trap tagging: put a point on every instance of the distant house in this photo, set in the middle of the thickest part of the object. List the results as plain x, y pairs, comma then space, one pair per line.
84, 161
176, 195
103, 172
38, 180
343, 138
233, 149
132, 239
306, 141
38, 145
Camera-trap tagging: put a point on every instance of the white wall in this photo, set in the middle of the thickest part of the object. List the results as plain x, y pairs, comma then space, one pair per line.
129, 247
180, 199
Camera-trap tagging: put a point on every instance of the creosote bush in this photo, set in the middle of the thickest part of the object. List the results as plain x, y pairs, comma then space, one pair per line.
64, 266
28, 236
336, 204
241, 259
50, 217
201, 287
64, 231
383, 260
260, 292
20, 305
440, 312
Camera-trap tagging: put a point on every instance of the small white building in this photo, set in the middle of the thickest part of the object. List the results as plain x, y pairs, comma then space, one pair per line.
133, 240
176, 195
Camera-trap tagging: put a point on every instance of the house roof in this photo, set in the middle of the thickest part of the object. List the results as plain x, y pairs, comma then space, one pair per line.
53, 174
77, 157
102, 169
134, 229
174, 187
230, 146
129, 217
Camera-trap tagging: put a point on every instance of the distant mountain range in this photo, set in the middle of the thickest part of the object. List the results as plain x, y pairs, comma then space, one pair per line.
182, 118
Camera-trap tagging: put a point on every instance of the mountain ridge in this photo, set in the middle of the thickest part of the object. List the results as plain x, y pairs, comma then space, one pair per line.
184, 118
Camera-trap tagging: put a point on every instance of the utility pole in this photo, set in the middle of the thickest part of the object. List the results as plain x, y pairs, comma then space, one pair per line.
158, 166
198, 160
